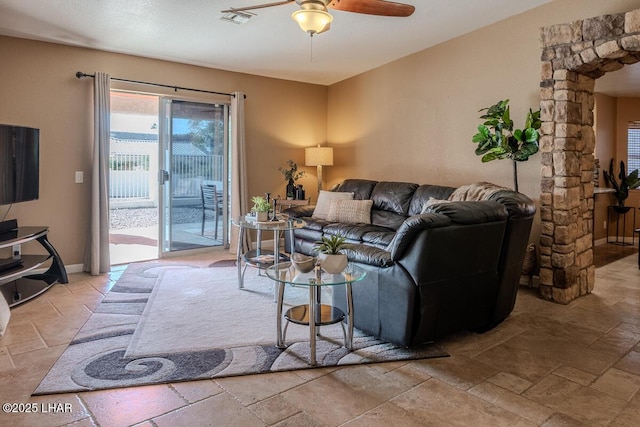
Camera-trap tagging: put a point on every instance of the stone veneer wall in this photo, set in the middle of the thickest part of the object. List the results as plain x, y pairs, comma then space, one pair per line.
574, 55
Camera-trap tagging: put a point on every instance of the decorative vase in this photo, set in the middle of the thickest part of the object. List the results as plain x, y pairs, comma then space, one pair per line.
333, 264
621, 208
291, 190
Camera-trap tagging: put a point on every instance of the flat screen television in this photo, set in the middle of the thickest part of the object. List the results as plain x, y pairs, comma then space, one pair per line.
19, 164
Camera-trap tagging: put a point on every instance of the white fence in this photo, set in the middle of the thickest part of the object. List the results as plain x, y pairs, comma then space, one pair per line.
133, 177
129, 176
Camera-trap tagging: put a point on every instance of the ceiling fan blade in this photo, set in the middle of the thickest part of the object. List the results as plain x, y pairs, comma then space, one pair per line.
373, 7
259, 6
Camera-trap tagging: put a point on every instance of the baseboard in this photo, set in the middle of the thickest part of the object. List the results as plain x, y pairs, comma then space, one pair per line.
74, 268
627, 240
600, 242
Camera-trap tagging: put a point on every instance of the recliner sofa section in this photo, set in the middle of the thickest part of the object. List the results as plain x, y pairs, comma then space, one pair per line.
432, 268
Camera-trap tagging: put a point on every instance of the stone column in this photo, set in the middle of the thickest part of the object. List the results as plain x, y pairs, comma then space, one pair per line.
574, 55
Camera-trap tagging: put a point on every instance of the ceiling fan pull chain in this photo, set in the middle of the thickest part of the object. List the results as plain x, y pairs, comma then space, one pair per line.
311, 48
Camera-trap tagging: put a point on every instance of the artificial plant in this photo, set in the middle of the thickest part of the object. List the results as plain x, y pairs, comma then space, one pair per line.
291, 174
331, 245
260, 204
626, 183
497, 139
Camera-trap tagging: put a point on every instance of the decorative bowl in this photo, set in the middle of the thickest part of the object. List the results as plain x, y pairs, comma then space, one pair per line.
303, 263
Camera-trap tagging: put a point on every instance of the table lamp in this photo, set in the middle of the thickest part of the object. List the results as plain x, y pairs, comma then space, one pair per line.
318, 156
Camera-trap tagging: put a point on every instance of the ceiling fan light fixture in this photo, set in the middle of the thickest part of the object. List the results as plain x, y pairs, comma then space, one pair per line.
312, 21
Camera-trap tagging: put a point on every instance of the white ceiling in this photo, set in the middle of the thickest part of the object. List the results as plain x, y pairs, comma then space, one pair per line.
270, 44
622, 83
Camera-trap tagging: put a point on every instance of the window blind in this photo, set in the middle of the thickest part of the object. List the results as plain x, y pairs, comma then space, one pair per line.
633, 146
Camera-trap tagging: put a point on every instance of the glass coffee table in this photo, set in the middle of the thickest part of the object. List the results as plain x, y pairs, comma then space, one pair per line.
284, 274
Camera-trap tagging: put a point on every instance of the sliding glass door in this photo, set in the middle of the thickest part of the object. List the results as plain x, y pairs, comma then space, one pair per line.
194, 175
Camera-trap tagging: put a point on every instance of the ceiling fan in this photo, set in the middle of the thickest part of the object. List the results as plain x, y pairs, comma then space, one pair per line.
313, 17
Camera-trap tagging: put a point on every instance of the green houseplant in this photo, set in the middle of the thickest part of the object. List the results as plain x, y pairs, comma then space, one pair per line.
497, 139
626, 183
330, 256
260, 208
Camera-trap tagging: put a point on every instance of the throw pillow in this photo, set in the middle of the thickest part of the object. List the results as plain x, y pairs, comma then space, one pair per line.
350, 211
324, 202
432, 201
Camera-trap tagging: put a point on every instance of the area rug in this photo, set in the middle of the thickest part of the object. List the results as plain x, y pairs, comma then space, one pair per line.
168, 323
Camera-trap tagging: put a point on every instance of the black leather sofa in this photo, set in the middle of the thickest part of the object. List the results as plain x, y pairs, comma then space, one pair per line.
431, 270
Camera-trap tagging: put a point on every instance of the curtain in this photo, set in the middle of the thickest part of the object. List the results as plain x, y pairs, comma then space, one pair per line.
97, 252
239, 193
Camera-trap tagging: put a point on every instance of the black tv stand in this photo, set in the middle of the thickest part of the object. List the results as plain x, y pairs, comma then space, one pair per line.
9, 263
19, 283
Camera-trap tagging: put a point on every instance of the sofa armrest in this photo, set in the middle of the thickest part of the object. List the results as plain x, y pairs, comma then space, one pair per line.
442, 215
411, 226
472, 212
369, 255
300, 211
518, 205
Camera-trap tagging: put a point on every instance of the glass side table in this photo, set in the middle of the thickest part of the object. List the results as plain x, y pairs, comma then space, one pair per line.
259, 257
284, 274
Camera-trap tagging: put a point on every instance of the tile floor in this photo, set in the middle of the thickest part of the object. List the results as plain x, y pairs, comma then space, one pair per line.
547, 364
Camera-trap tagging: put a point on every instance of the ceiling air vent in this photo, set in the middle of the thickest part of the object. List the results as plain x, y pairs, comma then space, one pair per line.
237, 17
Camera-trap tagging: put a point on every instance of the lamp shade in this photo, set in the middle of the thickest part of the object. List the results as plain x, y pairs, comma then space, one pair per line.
318, 156
312, 21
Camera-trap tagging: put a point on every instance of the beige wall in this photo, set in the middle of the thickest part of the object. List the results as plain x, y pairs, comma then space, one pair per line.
410, 120
38, 88
605, 131
413, 119
611, 121
627, 110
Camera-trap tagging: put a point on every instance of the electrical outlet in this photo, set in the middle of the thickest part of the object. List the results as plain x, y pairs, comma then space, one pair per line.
16, 251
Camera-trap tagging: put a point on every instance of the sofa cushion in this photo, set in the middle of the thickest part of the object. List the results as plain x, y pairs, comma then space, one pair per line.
391, 202
324, 202
379, 239
361, 188
353, 232
308, 234
316, 224
424, 192
351, 211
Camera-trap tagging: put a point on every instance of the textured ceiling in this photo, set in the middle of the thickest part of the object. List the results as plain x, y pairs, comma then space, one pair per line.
270, 44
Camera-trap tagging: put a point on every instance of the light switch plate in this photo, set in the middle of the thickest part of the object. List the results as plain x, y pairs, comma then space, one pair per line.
79, 177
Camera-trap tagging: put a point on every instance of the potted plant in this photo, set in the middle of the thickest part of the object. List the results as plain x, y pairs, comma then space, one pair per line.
260, 208
497, 139
621, 188
331, 258
291, 175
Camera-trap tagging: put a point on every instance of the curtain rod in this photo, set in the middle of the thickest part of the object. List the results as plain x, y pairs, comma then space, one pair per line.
80, 75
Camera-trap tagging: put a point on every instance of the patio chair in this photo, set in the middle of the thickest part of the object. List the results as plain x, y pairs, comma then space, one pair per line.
211, 201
